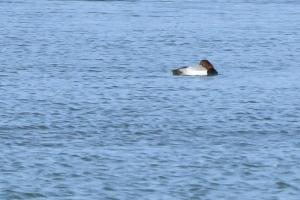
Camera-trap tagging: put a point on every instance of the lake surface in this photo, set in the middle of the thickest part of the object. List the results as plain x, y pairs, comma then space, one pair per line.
90, 110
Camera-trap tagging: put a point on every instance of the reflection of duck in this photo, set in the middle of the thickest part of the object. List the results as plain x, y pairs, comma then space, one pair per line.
204, 68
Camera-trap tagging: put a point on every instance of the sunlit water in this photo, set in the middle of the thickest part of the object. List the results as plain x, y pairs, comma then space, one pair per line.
90, 110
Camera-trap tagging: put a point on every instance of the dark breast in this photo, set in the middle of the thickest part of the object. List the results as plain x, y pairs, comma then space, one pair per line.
212, 72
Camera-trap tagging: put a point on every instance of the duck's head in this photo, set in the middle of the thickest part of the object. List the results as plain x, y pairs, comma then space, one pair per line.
210, 68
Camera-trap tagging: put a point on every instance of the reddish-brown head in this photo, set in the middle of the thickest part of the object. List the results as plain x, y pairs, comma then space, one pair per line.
206, 64
210, 68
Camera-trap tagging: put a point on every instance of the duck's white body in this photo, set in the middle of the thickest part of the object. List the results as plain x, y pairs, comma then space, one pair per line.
196, 70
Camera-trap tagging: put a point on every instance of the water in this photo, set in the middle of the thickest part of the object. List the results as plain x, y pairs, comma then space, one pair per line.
90, 110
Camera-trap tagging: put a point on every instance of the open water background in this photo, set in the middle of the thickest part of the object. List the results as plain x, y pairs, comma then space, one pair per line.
89, 109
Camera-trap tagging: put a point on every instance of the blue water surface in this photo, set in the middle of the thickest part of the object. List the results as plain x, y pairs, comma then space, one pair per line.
89, 109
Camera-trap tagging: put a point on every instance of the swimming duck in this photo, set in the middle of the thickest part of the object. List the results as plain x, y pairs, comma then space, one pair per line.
204, 68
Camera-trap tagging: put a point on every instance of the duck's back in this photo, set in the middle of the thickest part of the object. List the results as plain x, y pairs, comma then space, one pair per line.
191, 71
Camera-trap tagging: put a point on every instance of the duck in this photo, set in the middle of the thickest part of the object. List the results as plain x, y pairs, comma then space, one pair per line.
203, 68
